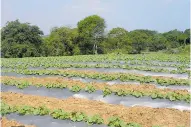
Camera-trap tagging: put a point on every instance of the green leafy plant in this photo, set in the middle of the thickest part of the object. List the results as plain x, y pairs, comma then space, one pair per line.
62, 85
133, 125
96, 119
77, 116
121, 93
75, 88
39, 85
5, 109
90, 89
60, 114
106, 91
49, 85
43, 110
116, 122
137, 94
22, 85
25, 110
154, 95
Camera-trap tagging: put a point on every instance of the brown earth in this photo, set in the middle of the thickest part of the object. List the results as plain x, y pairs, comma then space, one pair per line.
145, 116
149, 88
12, 123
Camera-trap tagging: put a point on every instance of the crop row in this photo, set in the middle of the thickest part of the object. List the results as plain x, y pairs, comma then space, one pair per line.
66, 107
105, 76
63, 115
35, 63
98, 86
112, 57
159, 64
126, 67
155, 94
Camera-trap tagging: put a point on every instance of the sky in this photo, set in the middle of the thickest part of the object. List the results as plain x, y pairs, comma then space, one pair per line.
159, 15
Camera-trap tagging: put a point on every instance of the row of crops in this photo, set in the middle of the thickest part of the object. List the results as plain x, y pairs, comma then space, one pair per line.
103, 76
124, 67
110, 58
129, 62
79, 110
118, 90
84, 91
26, 63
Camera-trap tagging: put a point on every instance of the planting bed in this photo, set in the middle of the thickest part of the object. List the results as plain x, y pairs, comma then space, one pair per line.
146, 90
145, 73
104, 76
128, 101
48, 121
77, 86
113, 82
145, 116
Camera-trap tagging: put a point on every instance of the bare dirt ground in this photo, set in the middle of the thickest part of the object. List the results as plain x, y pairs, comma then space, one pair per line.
145, 116
12, 123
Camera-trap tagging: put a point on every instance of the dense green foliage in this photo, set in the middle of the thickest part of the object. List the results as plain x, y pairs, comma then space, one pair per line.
90, 37
61, 41
117, 40
91, 33
21, 40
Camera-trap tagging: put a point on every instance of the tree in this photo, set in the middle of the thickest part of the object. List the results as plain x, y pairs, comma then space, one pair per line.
26, 40
62, 41
20, 40
117, 41
91, 33
158, 42
172, 38
187, 33
139, 41
182, 39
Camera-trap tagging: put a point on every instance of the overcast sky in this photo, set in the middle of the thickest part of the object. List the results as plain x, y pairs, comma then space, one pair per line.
160, 15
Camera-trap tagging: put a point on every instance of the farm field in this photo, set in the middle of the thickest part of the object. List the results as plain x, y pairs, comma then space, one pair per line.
145, 90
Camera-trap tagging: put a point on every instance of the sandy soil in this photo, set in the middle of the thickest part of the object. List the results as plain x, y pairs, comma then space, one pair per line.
10, 123
145, 116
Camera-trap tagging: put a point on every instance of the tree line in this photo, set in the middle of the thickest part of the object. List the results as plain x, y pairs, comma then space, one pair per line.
26, 40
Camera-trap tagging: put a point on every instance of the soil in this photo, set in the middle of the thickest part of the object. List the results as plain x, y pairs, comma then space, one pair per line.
12, 123
149, 88
145, 116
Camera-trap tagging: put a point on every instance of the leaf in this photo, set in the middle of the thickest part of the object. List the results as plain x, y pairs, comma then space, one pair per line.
75, 88
153, 95
106, 92
90, 89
